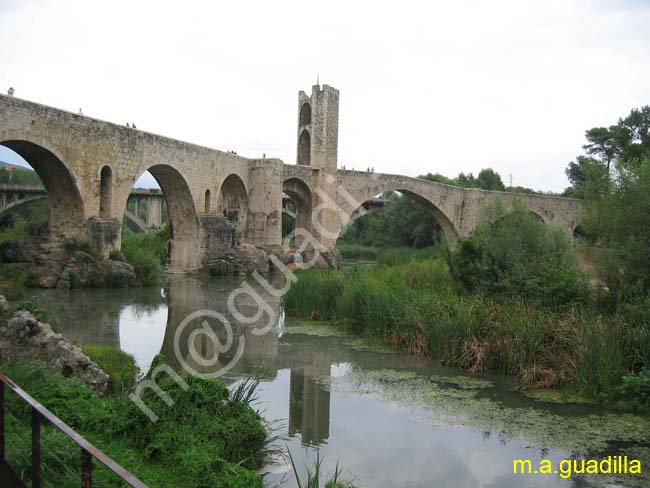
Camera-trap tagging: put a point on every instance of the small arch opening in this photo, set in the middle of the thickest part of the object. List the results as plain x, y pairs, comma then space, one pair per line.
305, 115
233, 202
296, 209
208, 201
105, 192
304, 148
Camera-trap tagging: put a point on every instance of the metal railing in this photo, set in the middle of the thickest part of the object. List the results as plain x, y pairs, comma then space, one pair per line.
88, 451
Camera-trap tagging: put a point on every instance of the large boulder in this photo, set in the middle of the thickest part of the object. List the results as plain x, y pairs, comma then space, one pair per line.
57, 268
24, 337
242, 260
17, 251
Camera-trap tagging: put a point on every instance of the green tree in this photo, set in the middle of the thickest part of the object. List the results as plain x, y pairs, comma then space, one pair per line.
589, 178
488, 179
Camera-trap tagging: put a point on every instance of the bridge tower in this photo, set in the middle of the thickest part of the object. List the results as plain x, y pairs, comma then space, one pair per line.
318, 128
318, 134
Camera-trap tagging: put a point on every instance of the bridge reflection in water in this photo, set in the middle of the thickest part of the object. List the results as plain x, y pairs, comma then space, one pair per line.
144, 322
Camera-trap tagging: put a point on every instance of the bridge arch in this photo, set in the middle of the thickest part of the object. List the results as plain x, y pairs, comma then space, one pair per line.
449, 231
183, 218
444, 202
233, 201
302, 197
67, 209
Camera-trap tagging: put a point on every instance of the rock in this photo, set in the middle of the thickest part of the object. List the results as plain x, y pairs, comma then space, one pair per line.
248, 258
25, 337
241, 260
51, 267
3, 302
17, 251
117, 274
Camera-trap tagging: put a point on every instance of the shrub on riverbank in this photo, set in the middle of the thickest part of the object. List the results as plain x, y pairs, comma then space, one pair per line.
209, 437
147, 253
515, 254
13, 283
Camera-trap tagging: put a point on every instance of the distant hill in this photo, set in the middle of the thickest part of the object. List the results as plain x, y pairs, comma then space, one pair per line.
10, 165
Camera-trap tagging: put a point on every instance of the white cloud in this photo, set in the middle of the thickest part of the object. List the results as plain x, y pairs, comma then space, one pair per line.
425, 86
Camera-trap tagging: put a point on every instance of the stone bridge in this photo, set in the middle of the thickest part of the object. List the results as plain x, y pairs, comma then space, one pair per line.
88, 168
12, 196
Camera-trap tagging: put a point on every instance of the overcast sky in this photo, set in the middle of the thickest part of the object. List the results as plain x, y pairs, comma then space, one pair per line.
425, 86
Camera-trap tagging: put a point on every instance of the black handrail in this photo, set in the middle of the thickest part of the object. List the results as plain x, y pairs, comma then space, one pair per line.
88, 451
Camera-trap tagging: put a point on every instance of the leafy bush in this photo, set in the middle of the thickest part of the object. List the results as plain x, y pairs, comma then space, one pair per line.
13, 282
634, 392
120, 366
16, 231
147, 253
516, 255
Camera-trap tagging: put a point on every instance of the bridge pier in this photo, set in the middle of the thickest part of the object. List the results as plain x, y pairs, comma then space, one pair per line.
104, 235
264, 223
154, 213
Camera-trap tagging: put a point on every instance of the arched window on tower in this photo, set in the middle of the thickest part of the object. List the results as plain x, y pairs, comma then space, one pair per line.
304, 148
305, 115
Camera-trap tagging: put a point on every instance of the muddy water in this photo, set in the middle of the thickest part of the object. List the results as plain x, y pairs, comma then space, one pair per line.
390, 419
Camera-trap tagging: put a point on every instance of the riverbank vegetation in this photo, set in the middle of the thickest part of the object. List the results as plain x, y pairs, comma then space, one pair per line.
210, 436
512, 297
147, 253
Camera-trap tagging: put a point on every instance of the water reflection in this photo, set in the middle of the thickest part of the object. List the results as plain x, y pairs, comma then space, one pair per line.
199, 342
392, 419
309, 401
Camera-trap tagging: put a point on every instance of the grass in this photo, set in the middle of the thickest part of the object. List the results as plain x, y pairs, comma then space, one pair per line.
415, 306
385, 255
120, 366
313, 478
208, 437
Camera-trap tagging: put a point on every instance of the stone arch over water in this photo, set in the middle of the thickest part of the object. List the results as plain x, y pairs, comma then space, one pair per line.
67, 209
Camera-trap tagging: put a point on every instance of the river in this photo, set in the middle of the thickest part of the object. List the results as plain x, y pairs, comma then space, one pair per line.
389, 419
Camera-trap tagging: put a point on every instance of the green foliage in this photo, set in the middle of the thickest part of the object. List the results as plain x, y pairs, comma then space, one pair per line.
634, 392
385, 255
13, 282
621, 219
414, 306
120, 366
19, 176
316, 296
314, 476
514, 254
17, 231
589, 178
147, 253
208, 437
402, 222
